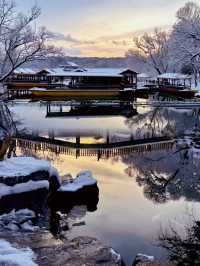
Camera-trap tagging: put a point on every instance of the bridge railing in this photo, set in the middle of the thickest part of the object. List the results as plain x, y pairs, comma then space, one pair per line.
105, 151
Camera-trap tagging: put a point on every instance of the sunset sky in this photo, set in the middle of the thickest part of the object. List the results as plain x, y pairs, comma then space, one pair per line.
102, 27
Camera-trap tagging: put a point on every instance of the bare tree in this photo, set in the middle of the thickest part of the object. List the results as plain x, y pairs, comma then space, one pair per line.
155, 48
20, 40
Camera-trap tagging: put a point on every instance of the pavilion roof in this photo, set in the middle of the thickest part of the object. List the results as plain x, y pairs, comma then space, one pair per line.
173, 76
79, 72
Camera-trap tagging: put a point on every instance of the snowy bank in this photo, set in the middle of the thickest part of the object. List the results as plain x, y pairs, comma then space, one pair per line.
12, 256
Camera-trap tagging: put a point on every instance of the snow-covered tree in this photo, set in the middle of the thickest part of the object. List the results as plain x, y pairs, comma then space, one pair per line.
154, 46
20, 40
185, 38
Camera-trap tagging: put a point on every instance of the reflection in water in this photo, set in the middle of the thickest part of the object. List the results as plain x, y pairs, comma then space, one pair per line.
183, 247
130, 183
66, 206
168, 175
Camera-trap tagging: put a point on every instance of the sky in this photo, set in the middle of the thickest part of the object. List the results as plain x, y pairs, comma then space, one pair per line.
101, 27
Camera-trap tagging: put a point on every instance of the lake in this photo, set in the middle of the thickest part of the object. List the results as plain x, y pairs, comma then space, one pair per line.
135, 201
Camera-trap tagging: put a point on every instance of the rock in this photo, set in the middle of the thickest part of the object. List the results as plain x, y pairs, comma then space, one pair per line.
81, 251
142, 258
18, 221
54, 252
29, 227
145, 260
12, 227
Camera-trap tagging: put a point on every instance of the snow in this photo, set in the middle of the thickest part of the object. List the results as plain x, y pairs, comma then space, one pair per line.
143, 257
173, 76
115, 255
72, 71
89, 72
24, 166
12, 256
25, 71
38, 89
12, 227
18, 220
143, 76
28, 227
20, 215
23, 187
83, 179
122, 136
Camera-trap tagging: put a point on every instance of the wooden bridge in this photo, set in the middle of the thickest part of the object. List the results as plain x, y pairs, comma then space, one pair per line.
104, 150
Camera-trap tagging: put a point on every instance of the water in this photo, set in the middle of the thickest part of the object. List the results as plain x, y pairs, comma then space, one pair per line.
135, 201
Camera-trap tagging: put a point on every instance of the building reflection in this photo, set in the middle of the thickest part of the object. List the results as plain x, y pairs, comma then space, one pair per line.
64, 109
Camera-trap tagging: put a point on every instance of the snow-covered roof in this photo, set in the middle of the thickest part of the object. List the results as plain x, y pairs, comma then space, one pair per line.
173, 76
70, 64
25, 71
83, 72
90, 72
143, 75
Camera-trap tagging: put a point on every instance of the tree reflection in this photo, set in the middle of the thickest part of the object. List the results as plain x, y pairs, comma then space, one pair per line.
168, 175
163, 122
184, 247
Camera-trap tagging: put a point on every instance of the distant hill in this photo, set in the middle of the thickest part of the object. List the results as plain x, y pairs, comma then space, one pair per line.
114, 62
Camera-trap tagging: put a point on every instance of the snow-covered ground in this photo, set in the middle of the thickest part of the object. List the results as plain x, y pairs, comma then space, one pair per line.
10, 256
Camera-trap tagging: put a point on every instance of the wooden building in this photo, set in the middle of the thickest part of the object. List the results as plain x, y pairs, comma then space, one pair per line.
93, 78
174, 80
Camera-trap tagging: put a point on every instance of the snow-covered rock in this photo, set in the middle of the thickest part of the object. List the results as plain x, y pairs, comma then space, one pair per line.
23, 187
23, 166
142, 258
18, 221
25, 174
10, 256
83, 179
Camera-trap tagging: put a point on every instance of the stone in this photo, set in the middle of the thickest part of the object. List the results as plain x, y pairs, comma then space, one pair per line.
50, 251
142, 258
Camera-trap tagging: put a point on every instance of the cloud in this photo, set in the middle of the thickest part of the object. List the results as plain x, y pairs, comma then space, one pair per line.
57, 36
60, 37
105, 46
